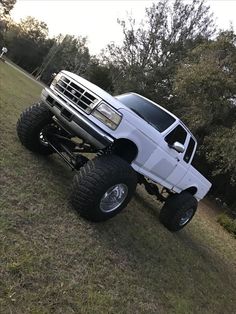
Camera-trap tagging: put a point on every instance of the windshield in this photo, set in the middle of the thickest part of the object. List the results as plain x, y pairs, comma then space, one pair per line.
151, 113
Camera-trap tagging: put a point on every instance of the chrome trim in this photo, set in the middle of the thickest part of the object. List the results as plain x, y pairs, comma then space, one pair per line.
78, 92
178, 147
186, 217
75, 127
113, 197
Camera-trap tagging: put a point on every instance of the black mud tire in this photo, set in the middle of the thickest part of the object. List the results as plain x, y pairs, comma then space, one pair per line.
176, 208
95, 179
31, 122
80, 161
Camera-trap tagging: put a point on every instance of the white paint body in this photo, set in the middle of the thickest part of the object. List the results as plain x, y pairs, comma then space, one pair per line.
155, 159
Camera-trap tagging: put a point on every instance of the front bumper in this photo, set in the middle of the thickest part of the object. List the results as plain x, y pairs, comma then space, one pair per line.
74, 121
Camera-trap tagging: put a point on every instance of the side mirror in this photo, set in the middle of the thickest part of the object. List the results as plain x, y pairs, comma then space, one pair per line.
178, 147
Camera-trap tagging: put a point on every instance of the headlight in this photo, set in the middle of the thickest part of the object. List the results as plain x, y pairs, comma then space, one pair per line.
107, 115
56, 79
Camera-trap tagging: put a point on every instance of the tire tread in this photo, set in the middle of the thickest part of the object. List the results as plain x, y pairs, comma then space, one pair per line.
29, 124
93, 179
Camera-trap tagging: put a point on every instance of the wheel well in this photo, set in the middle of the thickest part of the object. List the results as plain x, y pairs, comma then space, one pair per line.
125, 149
192, 190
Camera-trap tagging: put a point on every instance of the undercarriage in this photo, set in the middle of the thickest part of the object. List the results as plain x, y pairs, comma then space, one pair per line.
66, 146
70, 150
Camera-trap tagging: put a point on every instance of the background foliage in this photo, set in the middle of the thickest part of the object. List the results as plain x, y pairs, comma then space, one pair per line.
175, 56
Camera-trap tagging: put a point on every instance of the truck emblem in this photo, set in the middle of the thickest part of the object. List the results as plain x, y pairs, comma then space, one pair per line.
73, 91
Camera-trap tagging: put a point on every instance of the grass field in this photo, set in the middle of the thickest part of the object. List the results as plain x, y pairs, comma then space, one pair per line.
53, 261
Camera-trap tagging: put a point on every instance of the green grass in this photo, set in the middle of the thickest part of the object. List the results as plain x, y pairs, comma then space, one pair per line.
228, 223
53, 261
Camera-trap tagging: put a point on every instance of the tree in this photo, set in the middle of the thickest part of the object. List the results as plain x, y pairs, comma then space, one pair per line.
6, 6
151, 52
34, 30
205, 86
100, 74
220, 151
69, 53
28, 43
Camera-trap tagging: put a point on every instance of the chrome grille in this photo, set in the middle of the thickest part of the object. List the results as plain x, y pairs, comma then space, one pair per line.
77, 94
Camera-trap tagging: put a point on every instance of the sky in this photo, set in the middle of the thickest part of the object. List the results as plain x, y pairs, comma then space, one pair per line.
97, 19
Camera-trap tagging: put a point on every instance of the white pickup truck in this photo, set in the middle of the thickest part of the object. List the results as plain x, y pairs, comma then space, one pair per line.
134, 141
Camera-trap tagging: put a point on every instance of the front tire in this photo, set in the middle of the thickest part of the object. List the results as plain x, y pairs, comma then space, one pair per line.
178, 211
30, 126
103, 187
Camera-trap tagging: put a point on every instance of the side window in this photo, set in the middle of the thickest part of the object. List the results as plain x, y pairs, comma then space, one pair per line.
189, 150
177, 135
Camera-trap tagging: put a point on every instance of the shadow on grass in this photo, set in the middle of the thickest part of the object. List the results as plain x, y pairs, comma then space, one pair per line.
136, 231
178, 266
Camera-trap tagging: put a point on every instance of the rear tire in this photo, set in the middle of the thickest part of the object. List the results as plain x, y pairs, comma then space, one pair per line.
103, 187
30, 125
178, 211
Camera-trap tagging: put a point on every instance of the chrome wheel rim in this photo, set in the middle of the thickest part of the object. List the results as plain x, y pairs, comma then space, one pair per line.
113, 197
187, 216
42, 139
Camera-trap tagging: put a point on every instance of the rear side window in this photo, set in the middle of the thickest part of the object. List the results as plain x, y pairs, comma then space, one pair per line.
177, 135
189, 150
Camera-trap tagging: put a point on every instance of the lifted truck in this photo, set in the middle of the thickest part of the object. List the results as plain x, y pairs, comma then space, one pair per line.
134, 140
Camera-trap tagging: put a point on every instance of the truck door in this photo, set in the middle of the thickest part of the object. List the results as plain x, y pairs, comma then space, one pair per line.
166, 164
